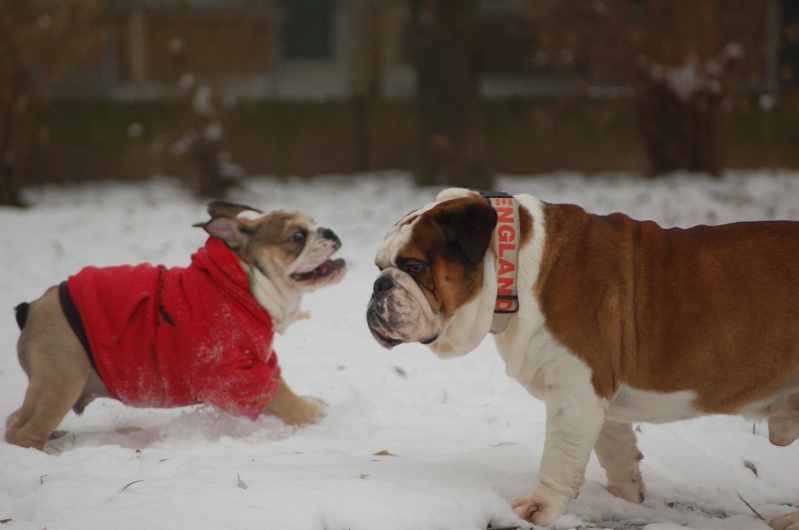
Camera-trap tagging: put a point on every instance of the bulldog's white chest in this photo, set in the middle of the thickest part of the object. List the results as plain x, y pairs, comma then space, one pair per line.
543, 366
534, 359
549, 371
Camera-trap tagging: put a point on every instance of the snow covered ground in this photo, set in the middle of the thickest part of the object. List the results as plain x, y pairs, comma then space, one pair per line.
410, 441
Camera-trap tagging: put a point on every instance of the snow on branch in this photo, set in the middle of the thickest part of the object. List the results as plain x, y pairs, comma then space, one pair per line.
692, 76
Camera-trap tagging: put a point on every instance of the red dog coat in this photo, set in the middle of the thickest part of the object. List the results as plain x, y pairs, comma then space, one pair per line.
173, 337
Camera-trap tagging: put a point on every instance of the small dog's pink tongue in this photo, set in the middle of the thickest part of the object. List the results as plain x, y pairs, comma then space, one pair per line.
322, 270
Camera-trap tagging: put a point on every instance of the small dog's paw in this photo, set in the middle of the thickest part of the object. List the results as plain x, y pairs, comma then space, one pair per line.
305, 411
320, 404
11, 418
55, 435
632, 490
789, 521
317, 409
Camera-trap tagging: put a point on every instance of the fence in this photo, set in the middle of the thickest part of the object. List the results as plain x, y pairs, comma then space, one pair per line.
316, 86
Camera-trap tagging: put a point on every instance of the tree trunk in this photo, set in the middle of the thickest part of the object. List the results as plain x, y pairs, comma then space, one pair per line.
13, 138
684, 85
366, 74
446, 43
44, 39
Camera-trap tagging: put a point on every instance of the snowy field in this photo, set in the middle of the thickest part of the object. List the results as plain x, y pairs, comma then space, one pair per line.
409, 441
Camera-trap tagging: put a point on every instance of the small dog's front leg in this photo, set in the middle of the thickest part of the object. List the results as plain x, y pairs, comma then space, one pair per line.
291, 408
574, 421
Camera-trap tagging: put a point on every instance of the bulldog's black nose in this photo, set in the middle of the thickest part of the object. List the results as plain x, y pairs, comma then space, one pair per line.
383, 283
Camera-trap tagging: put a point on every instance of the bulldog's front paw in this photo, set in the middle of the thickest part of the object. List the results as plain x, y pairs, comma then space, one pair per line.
631, 490
789, 521
541, 507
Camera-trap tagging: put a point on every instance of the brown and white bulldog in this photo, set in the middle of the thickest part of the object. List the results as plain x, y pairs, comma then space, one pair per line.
607, 319
151, 336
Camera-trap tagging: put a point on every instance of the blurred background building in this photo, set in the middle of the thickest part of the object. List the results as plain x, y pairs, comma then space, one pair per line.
454, 90
327, 49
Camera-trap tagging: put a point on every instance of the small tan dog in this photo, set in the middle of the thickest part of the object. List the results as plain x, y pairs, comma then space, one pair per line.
156, 337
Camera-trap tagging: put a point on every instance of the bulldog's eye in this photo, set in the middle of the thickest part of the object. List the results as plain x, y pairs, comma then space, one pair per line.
297, 237
414, 268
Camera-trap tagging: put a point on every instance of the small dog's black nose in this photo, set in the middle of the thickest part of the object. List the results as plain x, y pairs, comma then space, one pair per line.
383, 283
331, 235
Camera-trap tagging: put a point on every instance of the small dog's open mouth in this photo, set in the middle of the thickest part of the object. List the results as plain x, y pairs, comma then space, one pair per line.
326, 269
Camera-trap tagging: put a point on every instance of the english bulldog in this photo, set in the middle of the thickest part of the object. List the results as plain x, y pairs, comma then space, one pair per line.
149, 336
607, 319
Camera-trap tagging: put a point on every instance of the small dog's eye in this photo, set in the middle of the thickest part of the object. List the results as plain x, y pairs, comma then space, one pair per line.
298, 237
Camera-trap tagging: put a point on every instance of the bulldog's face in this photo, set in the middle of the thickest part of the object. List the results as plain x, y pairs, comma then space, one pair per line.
431, 285
288, 248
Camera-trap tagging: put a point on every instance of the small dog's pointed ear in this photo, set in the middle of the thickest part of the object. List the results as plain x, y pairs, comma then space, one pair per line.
224, 223
228, 209
471, 223
228, 230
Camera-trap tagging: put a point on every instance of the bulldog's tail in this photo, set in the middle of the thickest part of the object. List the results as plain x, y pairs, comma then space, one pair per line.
21, 312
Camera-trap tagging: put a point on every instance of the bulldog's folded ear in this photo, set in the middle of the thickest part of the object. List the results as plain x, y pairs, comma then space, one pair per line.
469, 222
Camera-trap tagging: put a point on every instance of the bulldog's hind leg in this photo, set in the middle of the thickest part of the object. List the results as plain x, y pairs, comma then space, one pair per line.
783, 417
618, 454
783, 430
57, 367
788, 521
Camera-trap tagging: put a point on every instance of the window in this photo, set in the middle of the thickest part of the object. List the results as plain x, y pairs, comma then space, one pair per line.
308, 29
